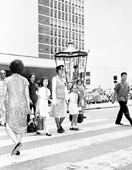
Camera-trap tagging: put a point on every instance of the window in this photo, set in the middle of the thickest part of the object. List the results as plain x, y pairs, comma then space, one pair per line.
66, 17
55, 4
59, 14
73, 18
59, 5
63, 33
51, 12
55, 41
59, 41
55, 13
63, 42
62, 6
73, 11
59, 32
52, 30
79, 37
66, 8
52, 49
51, 3
66, 34
55, 50
82, 46
82, 21
76, 36
52, 40
73, 35
51, 21
62, 15
76, 45
55, 32
76, 20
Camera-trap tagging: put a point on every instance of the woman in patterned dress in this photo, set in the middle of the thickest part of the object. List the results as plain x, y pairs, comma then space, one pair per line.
60, 96
16, 88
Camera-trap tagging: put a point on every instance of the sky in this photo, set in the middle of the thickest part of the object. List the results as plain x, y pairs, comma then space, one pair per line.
108, 32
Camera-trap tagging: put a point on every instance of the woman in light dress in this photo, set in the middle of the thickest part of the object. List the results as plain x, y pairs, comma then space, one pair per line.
18, 104
42, 105
73, 107
60, 96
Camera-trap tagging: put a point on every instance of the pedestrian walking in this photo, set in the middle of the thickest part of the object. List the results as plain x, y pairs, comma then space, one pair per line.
33, 88
2, 112
16, 87
73, 107
42, 108
122, 90
59, 96
81, 96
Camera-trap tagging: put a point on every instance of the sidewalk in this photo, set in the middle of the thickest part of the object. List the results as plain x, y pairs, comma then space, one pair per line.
105, 105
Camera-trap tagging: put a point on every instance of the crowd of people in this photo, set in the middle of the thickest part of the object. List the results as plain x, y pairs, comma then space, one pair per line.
22, 100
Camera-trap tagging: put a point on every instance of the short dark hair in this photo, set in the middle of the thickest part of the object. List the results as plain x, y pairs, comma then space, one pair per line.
79, 80
32, 74
42, 79
59, 68
123, 73
17, 66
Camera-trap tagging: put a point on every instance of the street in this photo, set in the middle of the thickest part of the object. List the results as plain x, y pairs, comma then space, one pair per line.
98, 145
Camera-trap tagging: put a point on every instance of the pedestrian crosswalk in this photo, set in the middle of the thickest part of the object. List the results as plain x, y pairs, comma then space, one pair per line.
96, 146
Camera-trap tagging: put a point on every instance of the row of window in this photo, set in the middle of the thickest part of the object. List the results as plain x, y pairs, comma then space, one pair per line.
66, 34
77, 31
64, 6
67, 17
64, 42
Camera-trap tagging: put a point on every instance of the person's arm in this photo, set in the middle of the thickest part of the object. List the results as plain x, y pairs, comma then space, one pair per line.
27, 98
66, 94
37, 107
54, 90
115, 92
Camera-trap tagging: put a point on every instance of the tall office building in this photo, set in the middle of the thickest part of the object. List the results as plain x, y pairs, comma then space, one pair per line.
36, 30
59, 22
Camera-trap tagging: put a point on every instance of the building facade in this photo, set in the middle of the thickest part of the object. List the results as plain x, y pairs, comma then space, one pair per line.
39, 30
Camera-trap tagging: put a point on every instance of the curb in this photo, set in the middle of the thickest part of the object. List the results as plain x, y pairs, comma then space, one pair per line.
103, 107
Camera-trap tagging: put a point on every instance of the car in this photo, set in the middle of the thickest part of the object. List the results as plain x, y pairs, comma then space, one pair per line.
92, 96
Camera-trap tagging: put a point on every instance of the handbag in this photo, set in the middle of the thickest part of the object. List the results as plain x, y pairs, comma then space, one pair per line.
80, 118
39, 123
31, 127
70, 117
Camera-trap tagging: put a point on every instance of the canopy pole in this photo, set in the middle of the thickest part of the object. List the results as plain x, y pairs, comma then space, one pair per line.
86, 65
55, 61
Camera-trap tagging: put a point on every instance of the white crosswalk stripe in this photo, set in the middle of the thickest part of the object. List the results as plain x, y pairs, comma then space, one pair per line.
107, 161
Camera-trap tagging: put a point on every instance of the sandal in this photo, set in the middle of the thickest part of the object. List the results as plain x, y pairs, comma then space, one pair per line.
48, 134
17, 147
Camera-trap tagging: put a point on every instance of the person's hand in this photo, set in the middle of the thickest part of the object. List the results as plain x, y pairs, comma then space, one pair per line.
66, 101
29, 111
55, 103
113, 101
31, 101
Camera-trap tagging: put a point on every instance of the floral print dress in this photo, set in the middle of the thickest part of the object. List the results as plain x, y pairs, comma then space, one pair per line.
16, 107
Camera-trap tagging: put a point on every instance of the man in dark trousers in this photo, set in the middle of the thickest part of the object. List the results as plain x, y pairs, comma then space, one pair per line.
122, 90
